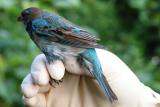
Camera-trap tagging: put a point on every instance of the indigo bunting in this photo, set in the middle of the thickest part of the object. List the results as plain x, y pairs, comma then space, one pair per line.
59, 39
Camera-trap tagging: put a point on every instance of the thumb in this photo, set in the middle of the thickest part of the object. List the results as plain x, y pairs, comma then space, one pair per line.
129, 90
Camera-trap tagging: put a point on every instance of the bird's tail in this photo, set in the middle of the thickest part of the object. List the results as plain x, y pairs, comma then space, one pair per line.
106, 88
91, 56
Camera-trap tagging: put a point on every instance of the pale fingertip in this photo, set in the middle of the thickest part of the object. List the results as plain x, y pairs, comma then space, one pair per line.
28, 88
56, 69
37, 101
38, 70
41, 78
30, 102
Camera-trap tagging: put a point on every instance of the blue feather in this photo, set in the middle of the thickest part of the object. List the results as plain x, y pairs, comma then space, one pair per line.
91, 55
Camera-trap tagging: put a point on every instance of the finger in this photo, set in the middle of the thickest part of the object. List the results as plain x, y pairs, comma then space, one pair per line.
37, 101
39, 72
29, 89
44, 89
56, 69
124, 82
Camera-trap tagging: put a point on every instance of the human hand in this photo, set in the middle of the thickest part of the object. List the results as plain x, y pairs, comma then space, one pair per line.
81, 90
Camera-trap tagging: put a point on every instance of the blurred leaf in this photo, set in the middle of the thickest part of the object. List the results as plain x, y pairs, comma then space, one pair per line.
66, 3
139, 4
7, 3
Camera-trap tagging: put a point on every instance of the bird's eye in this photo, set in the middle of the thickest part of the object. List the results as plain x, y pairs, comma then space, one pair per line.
23, 14
27, 12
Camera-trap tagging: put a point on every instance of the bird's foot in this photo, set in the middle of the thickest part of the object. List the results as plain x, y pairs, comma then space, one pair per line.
58, 81
54, 82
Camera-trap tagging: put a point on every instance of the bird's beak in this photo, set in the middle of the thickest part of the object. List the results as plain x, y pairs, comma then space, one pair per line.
19, 18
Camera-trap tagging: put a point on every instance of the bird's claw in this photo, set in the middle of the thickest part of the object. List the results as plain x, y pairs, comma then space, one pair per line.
55, 82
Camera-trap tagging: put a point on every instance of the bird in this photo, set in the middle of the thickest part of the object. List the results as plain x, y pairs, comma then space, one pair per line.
60, 39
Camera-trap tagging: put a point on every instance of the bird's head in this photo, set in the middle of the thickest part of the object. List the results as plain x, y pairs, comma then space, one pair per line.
29, 14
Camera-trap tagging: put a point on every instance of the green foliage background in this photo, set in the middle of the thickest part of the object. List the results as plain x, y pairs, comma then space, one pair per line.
129, 28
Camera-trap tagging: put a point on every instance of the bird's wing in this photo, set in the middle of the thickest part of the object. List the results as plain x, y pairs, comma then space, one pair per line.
66, 34
60, 22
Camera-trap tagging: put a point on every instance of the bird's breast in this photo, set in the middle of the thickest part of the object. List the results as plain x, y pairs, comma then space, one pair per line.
73, 65
69, 55
63, 51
